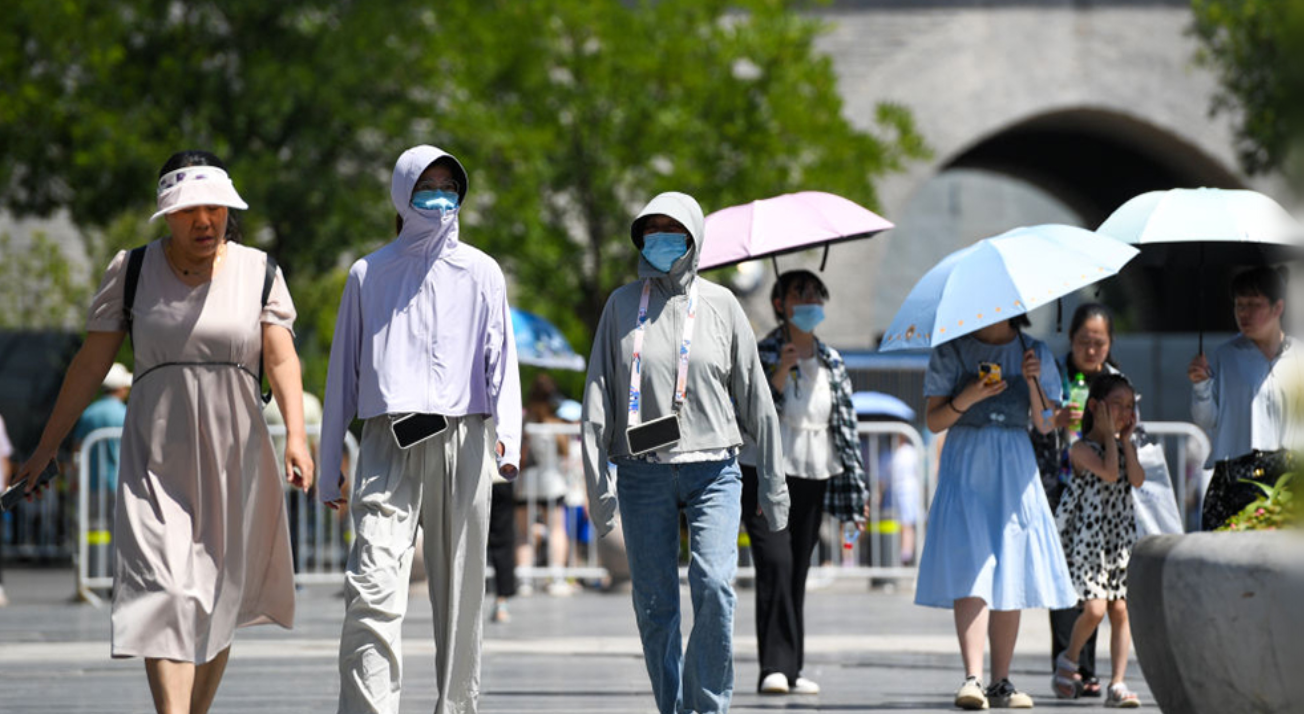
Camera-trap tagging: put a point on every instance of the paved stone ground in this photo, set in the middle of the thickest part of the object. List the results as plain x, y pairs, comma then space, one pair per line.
870, 650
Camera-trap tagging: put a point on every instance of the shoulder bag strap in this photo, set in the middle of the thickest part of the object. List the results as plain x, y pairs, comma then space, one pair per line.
268, 279
135, 259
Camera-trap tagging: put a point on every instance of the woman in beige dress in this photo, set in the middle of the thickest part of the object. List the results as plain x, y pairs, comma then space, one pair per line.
200, 527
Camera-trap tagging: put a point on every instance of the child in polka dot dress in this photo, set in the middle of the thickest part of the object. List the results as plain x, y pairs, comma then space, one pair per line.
1098, 530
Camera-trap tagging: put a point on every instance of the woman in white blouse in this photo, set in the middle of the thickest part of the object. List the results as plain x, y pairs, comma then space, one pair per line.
821, 458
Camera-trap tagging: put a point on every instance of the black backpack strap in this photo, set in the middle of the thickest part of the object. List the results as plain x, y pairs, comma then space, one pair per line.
135, 259
269, 278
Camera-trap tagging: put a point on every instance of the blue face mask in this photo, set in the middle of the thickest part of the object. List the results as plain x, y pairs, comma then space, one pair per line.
806, 317
434, 200
663, 249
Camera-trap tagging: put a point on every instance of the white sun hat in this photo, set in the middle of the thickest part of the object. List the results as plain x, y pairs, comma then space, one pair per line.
117, 378
196, 186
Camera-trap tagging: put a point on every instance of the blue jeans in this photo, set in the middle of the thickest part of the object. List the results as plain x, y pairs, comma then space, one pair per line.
698, 680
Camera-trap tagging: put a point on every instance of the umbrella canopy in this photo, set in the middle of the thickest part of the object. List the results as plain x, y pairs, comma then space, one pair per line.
1194, 224
540, 344
784, 224
999, 278
878, 404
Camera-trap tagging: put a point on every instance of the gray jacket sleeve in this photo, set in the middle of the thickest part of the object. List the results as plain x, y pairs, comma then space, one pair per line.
759, 421
598, 423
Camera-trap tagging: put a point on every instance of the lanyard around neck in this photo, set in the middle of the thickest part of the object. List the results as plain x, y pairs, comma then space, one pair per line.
636, 367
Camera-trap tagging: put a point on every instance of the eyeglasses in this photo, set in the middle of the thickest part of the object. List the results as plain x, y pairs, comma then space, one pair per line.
811, 293
446, 185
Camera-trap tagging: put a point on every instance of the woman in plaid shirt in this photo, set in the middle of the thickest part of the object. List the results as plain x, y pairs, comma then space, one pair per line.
821, 457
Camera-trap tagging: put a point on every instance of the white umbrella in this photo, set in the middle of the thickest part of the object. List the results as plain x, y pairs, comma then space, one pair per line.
1193, 226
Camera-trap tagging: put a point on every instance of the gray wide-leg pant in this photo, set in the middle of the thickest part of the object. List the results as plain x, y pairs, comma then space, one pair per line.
442, 484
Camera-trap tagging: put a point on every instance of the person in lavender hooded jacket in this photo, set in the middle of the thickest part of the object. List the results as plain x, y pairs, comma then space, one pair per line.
423, 328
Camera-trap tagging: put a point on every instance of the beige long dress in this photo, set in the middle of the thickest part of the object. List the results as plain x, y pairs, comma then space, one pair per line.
200, 528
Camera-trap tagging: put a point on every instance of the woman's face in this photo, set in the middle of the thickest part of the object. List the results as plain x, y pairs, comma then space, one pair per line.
1091, 345
1256, 316
198, 231
662, 224
436, 177
798, 294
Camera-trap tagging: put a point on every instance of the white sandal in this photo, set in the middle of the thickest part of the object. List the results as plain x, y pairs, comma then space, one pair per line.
1120, 697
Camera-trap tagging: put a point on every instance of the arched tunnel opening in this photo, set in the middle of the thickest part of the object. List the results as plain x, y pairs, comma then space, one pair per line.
1093, 161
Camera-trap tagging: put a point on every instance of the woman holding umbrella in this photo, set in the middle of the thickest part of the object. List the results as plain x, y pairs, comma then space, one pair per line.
992, 547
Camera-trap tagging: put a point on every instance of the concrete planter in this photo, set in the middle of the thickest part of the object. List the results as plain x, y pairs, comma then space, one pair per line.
1218, 621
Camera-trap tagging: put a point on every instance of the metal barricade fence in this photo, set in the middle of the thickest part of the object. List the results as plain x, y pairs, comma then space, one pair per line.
319, 536
555, 540
38, 531
897, 472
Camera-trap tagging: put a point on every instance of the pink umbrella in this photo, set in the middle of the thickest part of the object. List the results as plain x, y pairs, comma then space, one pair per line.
784, 224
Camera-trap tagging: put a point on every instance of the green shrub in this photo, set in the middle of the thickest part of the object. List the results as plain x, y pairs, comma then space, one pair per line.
1276, 509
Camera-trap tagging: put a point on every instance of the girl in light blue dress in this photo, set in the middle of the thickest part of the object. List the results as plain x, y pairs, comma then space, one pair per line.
992, 548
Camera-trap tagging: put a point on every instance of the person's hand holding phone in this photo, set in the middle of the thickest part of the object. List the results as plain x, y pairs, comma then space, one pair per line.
29, 474
977, 391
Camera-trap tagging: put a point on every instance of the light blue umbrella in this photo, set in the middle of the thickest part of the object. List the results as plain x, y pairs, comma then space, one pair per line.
871, 404
999, 278
540, 344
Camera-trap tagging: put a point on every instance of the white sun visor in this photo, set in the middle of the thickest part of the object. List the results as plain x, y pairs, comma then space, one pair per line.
196, 186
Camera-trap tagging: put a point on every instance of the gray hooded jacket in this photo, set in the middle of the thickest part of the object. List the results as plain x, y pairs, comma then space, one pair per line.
727, 388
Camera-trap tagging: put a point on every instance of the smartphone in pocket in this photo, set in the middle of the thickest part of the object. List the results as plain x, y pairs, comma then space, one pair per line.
412, 429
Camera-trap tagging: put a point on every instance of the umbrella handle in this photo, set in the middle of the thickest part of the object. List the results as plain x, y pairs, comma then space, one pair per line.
1046, 411
1199, 305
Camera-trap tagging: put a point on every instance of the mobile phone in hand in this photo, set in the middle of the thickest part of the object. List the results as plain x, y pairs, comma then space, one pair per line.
17, 492
989, 372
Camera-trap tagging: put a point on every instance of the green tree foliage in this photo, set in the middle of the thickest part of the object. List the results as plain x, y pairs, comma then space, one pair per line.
39, 286
594, 107
1256, 47
568, 114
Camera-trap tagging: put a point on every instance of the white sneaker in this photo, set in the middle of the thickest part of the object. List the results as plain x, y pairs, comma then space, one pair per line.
971, 695
804, 686
774, 683
3, 599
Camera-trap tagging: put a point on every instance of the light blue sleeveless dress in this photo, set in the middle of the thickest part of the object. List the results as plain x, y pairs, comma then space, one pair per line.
990, 530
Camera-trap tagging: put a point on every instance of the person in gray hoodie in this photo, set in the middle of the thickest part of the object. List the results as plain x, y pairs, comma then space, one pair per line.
675, 358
